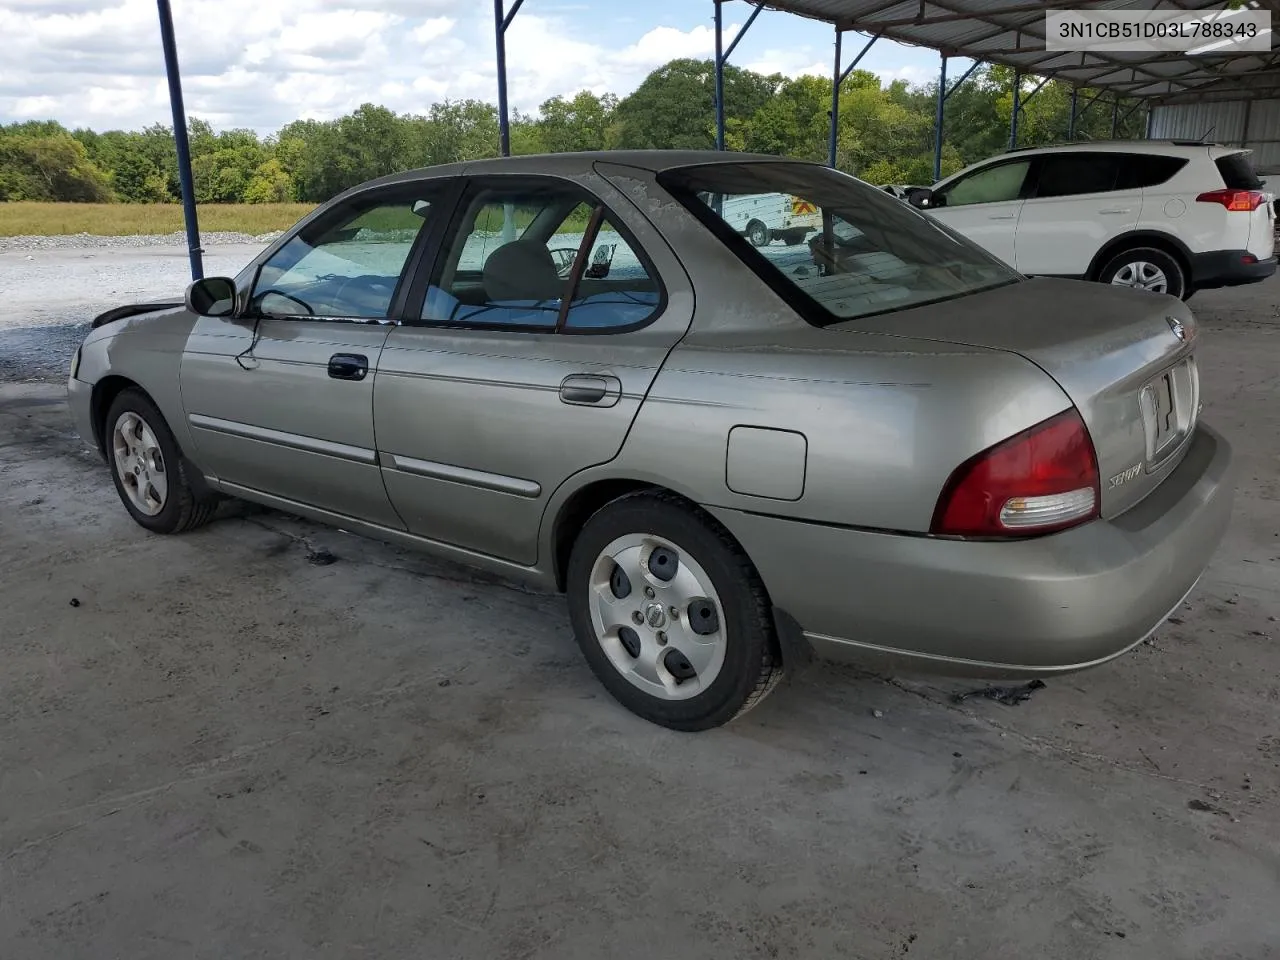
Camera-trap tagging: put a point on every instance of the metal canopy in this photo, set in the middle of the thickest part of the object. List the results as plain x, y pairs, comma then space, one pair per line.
1011, 32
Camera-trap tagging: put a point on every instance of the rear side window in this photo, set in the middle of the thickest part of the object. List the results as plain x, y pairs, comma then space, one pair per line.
1237, 172
1070, 174
863, 252
540, 256
1138, 170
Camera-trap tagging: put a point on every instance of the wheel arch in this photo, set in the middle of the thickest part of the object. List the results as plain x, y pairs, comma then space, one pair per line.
104, 394
1158, 239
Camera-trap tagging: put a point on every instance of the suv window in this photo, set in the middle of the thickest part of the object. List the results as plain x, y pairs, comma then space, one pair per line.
540, 256
1237, 172
994, 184
347, 263
1071, 174
1141, 170
869, 253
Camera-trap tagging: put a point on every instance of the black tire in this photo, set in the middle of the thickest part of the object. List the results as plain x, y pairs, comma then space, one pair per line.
752, 663
758, 234
1175, 274
183, 508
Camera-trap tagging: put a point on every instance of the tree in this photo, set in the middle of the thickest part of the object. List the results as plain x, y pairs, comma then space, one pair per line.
53, 167
582, 123
674, 107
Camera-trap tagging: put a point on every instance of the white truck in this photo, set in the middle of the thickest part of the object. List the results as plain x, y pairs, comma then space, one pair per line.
765, 217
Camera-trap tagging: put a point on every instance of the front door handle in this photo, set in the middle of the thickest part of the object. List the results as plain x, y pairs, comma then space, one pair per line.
348, 366
590, 390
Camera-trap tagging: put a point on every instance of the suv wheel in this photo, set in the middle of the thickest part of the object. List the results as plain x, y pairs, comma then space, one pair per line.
1146, 268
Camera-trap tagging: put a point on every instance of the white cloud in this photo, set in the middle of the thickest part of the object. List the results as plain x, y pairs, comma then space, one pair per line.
433, 28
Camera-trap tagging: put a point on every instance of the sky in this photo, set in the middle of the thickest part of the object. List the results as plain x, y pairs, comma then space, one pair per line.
263, 63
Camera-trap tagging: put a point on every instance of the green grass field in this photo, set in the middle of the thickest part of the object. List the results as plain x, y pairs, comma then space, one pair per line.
130, 219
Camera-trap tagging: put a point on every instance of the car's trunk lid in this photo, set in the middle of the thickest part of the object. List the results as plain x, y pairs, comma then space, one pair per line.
1114, 351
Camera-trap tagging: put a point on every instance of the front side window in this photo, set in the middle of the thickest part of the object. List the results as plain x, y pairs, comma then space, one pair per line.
995, 184
540, 256
867, 252
347, 263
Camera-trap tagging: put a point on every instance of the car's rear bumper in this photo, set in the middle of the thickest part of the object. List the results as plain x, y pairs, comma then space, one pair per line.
1053, 604
1226, 268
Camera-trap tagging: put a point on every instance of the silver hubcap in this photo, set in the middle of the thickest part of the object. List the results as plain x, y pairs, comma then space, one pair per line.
139, 463
657, 616
1143, 276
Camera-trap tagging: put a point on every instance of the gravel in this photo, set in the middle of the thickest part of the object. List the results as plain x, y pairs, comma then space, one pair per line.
75, 241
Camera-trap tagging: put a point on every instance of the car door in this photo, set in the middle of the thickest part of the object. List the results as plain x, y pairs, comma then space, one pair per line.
1076, 203
280, 400
523, 366
985, 204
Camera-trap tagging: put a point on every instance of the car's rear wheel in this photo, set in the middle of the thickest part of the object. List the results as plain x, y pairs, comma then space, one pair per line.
670, 613
758, 234
1146, 268
148, 469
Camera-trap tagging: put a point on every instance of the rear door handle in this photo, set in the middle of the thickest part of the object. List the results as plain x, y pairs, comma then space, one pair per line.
1115, 210
590, 390
348, 366
1002, 216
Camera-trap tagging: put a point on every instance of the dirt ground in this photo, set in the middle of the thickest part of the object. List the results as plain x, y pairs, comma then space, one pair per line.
213, 746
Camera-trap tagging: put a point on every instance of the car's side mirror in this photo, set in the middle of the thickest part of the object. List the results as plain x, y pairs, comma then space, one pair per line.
922, 198
212, 297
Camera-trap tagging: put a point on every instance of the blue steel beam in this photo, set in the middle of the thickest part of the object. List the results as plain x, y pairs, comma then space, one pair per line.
944, 94
719, 71
1017, 109
835, 105
963, 77
838, 77
937, 122
721, 57
741, 33
180, 139
502, 20
1075, 102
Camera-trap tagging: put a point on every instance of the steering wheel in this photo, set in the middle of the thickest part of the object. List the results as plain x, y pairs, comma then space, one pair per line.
306, 307
564, 257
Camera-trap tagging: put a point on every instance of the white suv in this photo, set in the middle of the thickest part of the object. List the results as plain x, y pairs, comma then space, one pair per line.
1168, 216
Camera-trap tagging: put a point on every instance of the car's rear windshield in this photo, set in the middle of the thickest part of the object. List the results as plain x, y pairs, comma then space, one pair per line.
1237, 172
835, 247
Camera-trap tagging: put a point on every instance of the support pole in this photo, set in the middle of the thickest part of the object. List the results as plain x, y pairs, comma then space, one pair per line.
1151, 116
180, 140
938, 120
1075, 103
1017, 108
835, 105
1115, 117
719, 65
500, 45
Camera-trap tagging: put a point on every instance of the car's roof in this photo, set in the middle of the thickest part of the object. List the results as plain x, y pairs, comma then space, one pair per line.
1164, 148
568, 164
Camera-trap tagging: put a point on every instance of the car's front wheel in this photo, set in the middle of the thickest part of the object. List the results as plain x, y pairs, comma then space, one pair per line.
1146, 268
671, 614
148, 469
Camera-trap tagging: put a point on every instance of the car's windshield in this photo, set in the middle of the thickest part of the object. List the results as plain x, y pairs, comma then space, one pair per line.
839, 248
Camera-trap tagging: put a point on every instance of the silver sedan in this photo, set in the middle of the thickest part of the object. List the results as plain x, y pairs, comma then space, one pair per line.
881, 445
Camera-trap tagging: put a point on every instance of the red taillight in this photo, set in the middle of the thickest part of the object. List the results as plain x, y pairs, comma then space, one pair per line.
1244, 201
1043, 479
